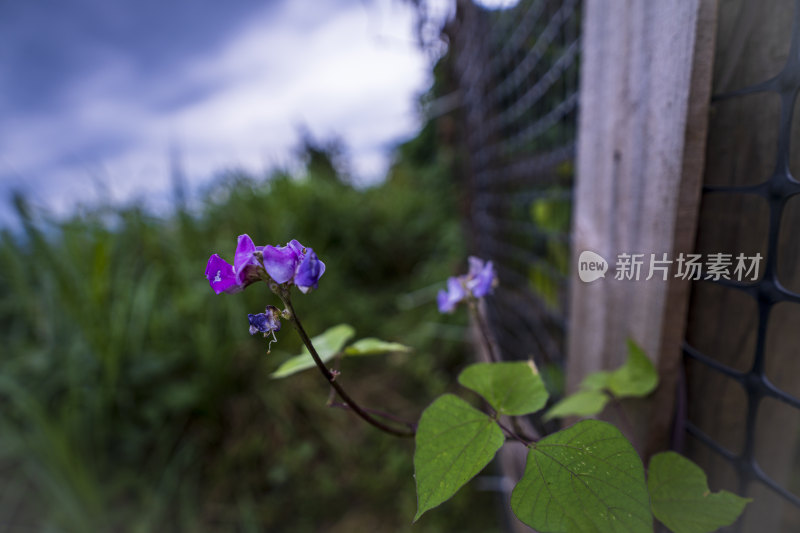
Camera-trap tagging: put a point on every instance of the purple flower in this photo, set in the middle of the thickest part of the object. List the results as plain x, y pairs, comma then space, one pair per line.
447, 300
477, 283
293, 263
481, 277
266, 322
231, 279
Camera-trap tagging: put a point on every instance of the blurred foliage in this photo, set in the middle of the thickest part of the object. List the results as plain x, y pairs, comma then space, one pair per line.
551, 213
133, 399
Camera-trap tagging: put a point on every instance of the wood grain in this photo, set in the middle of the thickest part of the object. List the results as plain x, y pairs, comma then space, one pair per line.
645, 87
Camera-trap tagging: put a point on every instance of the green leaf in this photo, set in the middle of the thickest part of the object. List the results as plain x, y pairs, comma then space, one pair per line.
586, 478
596, 381
454, 442
637, 377
582, 403
553, 378
373, 346
328, 344
511, 388
680, 497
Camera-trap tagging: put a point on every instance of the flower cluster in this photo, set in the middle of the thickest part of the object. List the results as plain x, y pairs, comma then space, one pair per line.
477, 283
290, 264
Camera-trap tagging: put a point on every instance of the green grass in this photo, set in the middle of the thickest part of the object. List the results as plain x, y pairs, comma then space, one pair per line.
133, 399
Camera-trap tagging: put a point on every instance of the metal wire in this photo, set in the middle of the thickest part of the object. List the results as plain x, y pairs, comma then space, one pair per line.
517, 72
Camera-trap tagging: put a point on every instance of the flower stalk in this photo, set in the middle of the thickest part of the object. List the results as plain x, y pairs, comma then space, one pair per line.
483, 327
331, 378
280, 267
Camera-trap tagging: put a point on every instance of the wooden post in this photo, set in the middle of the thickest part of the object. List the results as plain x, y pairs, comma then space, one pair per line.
645, 88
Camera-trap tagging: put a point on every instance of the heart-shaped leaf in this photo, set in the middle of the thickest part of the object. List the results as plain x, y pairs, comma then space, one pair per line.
454, 442
680, 497
596, 380
511, 388
582, 403
585, 478
636, 378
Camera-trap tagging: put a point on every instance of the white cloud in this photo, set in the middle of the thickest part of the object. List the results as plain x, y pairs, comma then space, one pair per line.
352, 71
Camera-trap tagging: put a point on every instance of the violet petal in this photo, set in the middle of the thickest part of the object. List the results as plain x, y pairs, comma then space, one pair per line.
295, 245
258, 322
220, 275
265, 322
475, 266
445, 305
483, 283
273, 317
455, 289
309, 272
244, 252
280, 262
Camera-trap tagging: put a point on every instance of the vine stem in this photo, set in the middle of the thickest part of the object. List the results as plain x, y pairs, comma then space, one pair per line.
484, 329
518, 428
513, 434
331, 378
376, 412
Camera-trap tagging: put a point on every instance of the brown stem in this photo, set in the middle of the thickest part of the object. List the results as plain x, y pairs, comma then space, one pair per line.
513, 434
518, 428
510, 433
332, 392
484, 329
357, 409
376, 412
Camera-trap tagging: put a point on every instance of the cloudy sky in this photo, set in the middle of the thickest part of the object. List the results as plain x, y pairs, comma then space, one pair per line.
97, 92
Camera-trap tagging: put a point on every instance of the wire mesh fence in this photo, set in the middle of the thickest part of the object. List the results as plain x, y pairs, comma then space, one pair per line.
517, 73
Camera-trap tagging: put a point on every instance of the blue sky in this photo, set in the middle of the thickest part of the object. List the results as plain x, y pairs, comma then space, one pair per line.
99, 92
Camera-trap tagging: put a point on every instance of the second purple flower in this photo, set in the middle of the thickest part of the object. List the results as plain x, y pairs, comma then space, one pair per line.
476, 283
